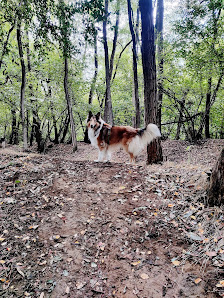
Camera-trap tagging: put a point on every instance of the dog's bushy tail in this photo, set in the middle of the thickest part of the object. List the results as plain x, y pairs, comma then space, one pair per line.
143, 137
152, 132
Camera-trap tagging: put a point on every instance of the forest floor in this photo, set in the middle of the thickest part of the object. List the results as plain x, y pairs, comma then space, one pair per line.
71, 227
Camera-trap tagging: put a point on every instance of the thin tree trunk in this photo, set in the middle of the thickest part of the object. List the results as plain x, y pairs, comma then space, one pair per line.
36, 126
115, 39
154, 149
56, 137
124, 48
23, 85
66, 125
108, 112
159, 37
135, 66
180, 120
5, 44
69, 105
207, 109
96, 69
14, 135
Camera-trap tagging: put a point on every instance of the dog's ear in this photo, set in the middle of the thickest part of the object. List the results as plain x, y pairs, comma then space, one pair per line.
90, 115
98, 115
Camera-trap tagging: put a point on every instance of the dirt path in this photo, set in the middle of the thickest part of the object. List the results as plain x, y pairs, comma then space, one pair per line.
75, 228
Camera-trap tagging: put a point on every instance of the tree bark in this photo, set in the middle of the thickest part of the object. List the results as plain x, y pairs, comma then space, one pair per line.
159, 38
108, 112
69, 106
23, 85
180, 120
215, 191
5, 44
207, 109
96, 70
154, 149
14, 135
66, 125
135, 66
115, 39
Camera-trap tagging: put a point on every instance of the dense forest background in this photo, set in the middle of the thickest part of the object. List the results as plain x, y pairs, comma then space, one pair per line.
60, 59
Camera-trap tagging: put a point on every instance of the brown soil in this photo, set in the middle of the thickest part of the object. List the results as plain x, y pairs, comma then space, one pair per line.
71, 227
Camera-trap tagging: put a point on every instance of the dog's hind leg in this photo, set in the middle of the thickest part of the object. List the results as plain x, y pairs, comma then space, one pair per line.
132, 158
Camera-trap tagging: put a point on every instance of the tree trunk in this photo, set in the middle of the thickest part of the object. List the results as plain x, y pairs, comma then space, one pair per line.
14, 135
56, 135
108, 112
149, 73
96, 70
215, 191
135, 67
207, 109
66, 125
5, 44
69, 106
23, 85
180, 120
159, 37
115, 39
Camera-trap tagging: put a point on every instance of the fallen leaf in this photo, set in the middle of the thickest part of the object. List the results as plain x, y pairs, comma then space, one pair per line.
170, 205
42, 295
42, 263
211, 253
220, 284
67, 290
198, 280
56, 237
201, 231
33, 227
20, 271
2, 262
144, 276
136, 263
65, 273
79, 285
194, 236
175, 262
101, 245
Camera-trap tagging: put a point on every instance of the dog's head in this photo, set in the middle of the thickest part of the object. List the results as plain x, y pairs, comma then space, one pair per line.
94, 121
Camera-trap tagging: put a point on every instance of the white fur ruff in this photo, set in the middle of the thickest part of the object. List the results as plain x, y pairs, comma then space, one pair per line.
94, 135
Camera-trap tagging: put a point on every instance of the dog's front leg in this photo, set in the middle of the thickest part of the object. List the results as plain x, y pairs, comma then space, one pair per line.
101, 155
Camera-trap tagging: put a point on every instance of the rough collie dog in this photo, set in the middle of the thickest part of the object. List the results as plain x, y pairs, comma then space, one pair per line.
108, 138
